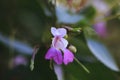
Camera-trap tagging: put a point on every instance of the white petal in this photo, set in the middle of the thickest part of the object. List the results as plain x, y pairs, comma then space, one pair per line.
58, 32
62, 31
59, 43
54, 31
65, 42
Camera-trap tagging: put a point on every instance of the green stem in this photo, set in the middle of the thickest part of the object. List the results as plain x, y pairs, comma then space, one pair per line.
111, 17
36, 48
51, 65
82, 65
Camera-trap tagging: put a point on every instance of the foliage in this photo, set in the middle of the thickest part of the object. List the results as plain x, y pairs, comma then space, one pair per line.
25, 31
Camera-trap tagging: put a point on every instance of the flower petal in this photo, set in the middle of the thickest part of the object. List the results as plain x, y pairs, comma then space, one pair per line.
59, 43
61, 32
65, 43
68, 56
50, 53
54, 54
54, 31
58, 58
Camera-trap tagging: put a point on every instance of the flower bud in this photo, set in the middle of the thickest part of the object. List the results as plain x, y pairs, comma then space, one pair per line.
72, 48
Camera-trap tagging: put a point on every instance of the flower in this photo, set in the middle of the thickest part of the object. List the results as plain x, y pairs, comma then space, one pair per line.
17, 61
58, 50
100, 29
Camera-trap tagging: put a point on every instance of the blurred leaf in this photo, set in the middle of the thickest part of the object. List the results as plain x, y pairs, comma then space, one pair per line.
102, 54
58, 71
64, 17
99, 50
19, 46
89, 12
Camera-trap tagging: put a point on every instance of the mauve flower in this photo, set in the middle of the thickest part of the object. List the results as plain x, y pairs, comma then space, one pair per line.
59, 47
100, 29
17, 61
54, 54
68, 56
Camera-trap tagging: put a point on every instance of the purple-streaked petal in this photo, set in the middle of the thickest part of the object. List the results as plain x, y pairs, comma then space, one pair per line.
65, 43
50, 53
59, 43
68, 56
61, 32
58, 58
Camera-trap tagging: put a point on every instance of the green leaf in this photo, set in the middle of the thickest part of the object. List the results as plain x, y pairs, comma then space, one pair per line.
99, 50
102, 54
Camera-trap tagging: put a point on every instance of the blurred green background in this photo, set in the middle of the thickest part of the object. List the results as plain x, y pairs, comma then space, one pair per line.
24, 24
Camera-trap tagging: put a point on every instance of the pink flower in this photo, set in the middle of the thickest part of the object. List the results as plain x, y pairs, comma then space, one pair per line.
54, 54
68, 56
100, 29
59, 47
